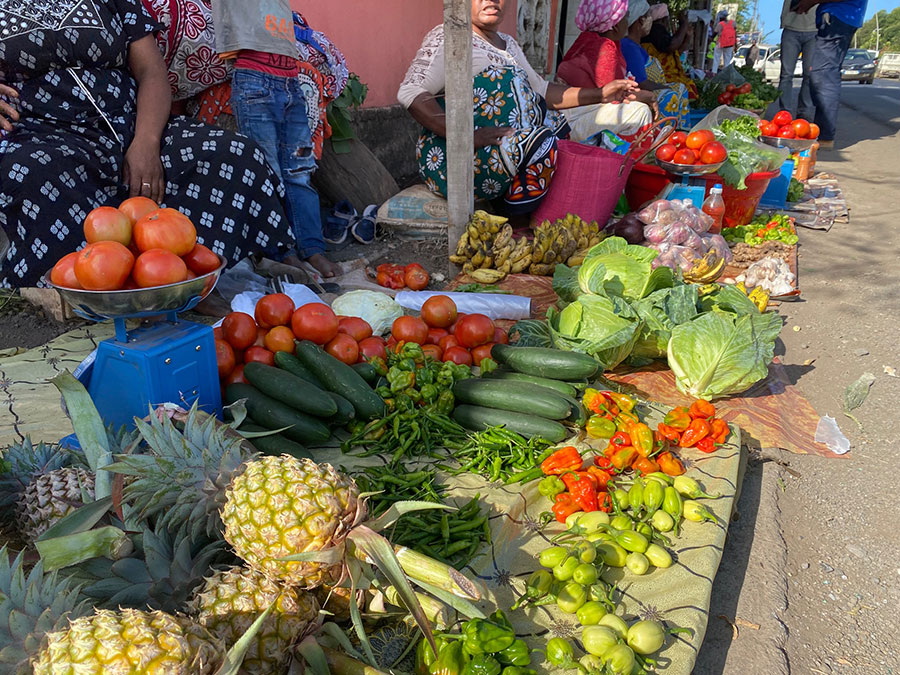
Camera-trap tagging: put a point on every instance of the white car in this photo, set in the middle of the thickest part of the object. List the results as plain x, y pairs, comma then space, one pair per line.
768, 62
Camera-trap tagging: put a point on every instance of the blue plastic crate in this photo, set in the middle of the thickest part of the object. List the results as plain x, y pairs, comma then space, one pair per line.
775, 196
695, 116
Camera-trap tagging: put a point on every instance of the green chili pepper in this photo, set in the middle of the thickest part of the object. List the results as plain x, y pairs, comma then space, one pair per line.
517, 654
487, 365
499, 618
425, 655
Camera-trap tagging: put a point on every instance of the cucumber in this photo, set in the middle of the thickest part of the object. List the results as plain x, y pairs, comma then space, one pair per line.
345, 411
542, 362
287, 388
366, 371
292, 364
477, 418
556, 385
513, 396
273, 444
341, 379
273, 414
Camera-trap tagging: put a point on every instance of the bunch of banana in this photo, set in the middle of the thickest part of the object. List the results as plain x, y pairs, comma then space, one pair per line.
487, 250
566, 241
758, 295
706, 269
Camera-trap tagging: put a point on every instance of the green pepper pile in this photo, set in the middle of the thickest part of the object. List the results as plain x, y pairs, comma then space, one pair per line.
482, 647
452, 537
500, 454
409, 374
763, 228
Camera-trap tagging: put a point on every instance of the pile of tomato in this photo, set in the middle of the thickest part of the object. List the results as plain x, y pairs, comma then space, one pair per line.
277, 324
785, 126
732, 91
137, 245
698, 147
412, 276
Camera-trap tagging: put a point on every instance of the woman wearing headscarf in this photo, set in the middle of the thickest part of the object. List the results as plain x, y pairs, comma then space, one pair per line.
672, 97
517, 122
664, 46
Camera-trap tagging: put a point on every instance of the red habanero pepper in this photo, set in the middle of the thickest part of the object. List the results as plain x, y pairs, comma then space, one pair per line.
582, 488
571, 477
706, 445
678, 418
602, 462
604, 502
603, 477
669, 433
621, 440
624, 458
564, 459
719, 430
670, 464
641, 439
701, 409
645, 465
698, 430
564, 506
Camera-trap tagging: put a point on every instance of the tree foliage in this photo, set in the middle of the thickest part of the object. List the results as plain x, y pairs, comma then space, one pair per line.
889, 23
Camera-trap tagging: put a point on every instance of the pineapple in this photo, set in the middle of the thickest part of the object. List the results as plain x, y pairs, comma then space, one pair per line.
50, 496
231, 599
130, 641
281, 506
30, 606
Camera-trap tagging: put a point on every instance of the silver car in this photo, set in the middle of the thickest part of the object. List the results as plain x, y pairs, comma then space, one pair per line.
769, 61
859, 66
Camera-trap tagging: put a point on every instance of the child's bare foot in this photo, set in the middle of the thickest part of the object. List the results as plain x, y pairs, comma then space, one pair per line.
325, 267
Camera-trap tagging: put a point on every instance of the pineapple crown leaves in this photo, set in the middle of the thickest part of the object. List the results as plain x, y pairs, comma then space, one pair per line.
30, 607
22, 461
181, 475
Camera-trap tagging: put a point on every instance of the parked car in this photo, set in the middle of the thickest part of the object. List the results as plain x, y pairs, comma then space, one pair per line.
768, 63
859, 66
889, 65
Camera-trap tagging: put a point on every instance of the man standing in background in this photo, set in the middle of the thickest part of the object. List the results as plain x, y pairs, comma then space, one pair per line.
798, 36
726, 38
752, 54
836, 22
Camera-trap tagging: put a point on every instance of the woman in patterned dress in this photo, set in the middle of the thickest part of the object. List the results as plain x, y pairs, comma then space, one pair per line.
86, 123
516, 118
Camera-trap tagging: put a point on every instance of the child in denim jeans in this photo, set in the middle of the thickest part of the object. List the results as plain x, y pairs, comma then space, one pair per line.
270, 108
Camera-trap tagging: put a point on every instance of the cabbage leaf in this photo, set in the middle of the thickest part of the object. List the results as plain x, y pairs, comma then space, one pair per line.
616, 268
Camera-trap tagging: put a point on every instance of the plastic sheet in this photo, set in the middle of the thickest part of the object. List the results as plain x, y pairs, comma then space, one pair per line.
494, 305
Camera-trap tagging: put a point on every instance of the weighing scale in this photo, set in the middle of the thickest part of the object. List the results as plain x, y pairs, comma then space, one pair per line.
167, 361
695, 192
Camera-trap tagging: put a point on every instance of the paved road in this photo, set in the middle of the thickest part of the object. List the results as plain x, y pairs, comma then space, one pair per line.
879, 102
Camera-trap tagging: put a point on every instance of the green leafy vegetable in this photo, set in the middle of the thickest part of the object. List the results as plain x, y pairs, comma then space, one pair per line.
616, 268
744, 124
795, 191
606, 328
746, 155
660, 312
565, 283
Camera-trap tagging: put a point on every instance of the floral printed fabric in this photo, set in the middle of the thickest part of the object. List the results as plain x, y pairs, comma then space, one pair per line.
187, 43
521, 167
600, 15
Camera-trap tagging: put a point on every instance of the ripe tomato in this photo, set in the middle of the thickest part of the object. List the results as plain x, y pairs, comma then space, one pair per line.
391, 275
344, 348
481, 352
666, 152
452, 326
433, 351
136, 208
261, 337
383, 278
745, 88
813, 130
500, 336
275, 309
685, 156
439, 311
473, 330
240, 330
713, 153
218, 334
730, 88
315, 322
168, 229
769, 129
781, 118
448, 341
201, 260
224, 358
259, 355
409, 329
786, 132
236, 376
435, 335
459, 356
678, 139
107, 224
801, 128
158, 267
391, 344
697, 139
725, 98
372, 347
63, 272
279, 339
416, 277
358, 329
103, 266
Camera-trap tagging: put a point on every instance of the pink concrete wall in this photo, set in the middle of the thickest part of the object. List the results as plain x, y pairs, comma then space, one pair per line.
380, 37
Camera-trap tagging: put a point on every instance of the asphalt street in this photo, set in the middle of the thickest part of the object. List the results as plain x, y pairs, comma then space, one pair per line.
880, 102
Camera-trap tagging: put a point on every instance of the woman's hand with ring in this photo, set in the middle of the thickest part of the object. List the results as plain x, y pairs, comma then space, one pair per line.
143, 171
7, 110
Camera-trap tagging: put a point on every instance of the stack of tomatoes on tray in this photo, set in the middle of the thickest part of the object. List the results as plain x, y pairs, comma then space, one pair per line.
732, 91
397, 277
783, 125
277, 324
137, 245
696, 148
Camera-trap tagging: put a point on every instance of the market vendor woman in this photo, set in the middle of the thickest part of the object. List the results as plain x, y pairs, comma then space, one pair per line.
85, 113
516, 123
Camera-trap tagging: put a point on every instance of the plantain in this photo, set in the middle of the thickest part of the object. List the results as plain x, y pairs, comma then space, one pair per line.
502, 255
521, 265
462, 244
595, 239
706, 269
568, 249
506, 268
485, 276
706, 289
537, 255
474, 234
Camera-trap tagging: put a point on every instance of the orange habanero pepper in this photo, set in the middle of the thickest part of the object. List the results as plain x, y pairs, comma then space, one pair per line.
678, 418
564, 506
669, 464
701, 409
719, 430
564, 459
624, 458
698, 430
645, 465
669, 433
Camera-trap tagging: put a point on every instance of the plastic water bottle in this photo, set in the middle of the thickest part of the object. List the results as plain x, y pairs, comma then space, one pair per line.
714, 207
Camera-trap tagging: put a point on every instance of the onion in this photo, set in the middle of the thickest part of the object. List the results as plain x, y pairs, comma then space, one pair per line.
629, 227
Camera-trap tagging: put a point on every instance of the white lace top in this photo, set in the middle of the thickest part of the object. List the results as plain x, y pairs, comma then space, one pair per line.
426, 73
